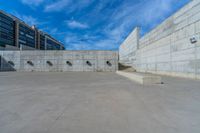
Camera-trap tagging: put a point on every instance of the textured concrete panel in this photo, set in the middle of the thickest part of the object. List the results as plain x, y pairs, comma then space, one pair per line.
129, 47
54, 61
168, 49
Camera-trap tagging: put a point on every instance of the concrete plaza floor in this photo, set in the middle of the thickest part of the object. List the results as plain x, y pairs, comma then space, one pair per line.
84, 102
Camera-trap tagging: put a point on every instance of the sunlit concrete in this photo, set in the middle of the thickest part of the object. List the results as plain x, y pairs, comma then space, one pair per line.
86, 102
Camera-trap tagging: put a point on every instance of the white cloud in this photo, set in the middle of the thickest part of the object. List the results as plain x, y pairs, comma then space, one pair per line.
75, 24
121, 20
67, 5
154, 11
57, 6
130, 15
144, 14
88, 42
27, 19
73, 42
32, 2
30, 20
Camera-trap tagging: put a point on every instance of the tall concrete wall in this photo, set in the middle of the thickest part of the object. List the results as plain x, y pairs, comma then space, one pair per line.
173, 48
59, 60
127, 51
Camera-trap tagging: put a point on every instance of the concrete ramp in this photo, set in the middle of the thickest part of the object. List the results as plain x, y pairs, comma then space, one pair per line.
142, 78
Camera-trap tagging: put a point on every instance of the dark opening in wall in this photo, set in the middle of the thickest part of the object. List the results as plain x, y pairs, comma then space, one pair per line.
68, 63
109, 63
88, 63
11, 63
193, 40
30, 63
49, 63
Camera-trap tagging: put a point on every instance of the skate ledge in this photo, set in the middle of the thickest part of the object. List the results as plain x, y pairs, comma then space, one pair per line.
142, 78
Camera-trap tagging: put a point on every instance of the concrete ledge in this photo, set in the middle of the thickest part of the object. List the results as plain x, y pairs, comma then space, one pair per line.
172, 74
141, 78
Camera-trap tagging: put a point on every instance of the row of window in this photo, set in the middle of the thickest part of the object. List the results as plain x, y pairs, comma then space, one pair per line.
6, 42
5, 16
51, 45
27, 42
26, 30
26, 36
42, 42
6, 25
6, 21
6, 30
6, 36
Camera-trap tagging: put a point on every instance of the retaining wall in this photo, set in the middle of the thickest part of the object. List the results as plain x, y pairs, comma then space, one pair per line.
96, 61
172, 48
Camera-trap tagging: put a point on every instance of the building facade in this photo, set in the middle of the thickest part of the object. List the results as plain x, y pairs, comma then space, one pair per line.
6, 30
15, 35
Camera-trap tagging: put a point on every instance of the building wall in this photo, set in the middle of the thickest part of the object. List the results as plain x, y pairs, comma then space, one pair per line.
59, 61
14, 32
52, 44
168, 49
6, 30
27, 36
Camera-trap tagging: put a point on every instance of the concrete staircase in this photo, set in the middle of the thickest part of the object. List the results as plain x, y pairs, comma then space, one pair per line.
126, 68
141, 78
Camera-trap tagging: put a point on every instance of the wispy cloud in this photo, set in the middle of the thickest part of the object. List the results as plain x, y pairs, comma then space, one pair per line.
69, 5
57, 6
89, 42
155, 11
73, 42
145, 14
76, 25
30, 20
27, 18
32, 2
93, 24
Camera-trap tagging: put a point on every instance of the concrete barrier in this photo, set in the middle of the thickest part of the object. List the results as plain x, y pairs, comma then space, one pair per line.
59, 61
142, 78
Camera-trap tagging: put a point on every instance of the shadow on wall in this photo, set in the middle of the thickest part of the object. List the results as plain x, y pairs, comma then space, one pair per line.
123, 67
6, 65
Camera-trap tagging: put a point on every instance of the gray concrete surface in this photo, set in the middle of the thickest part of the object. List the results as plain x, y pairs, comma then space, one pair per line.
88, 102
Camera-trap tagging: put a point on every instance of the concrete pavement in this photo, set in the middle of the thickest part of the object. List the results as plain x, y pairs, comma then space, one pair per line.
86, 102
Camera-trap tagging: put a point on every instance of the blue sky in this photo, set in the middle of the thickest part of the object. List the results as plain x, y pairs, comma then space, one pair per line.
92, 24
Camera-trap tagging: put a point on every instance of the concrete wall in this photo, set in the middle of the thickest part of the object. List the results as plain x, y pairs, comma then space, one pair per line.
127, 51
168, 49
39, 60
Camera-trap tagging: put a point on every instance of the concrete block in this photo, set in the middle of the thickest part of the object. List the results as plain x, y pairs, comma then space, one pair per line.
142, 78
